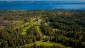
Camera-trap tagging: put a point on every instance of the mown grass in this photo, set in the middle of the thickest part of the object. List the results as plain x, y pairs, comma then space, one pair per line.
39, 43
38, 30
24, 30
22, 25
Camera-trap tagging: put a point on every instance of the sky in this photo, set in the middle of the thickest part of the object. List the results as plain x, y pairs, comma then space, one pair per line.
44, 0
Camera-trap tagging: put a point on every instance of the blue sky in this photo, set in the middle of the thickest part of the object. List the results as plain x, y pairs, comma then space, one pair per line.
44, 0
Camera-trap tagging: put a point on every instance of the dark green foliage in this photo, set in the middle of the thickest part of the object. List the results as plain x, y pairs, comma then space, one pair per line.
70, 25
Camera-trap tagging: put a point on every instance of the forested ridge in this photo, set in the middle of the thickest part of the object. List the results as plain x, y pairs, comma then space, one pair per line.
42, 29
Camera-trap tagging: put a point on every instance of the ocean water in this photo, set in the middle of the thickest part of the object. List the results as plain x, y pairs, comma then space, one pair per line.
39, 5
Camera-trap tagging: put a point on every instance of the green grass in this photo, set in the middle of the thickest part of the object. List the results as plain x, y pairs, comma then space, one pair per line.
29, 25
24, 30
46, 24
22, 25
38, 43
38, 30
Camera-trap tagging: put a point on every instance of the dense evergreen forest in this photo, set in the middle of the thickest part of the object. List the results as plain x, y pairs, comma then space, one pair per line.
42, 29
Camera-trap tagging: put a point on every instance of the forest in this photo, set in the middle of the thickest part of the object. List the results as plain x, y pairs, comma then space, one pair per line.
42, 29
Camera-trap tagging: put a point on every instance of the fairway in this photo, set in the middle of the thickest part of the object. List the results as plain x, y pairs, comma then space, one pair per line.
24, 31
38, 43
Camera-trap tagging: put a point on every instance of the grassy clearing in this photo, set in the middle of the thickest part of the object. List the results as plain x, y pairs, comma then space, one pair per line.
38, 43
24, 30
22, 25
38, 30
46, 24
